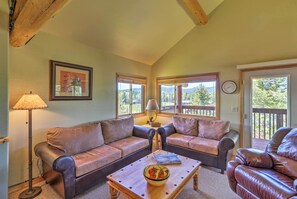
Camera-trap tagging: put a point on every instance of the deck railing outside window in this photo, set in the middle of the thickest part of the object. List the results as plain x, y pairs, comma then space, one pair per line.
266, 121
192, 110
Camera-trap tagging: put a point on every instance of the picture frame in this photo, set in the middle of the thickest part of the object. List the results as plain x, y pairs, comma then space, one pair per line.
70, 81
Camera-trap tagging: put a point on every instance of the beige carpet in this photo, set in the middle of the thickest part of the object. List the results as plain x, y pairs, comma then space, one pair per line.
212, 184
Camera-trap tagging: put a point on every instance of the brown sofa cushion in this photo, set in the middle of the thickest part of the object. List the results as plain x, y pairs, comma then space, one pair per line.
130, 144
186, 126
179, 139
288, 147
76, 139
204, 145
284, 165
117, 129
264, 183
95, 159
213, 129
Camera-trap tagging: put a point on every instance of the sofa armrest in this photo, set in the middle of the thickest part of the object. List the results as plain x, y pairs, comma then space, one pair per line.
226, 144
47, 153
254, 158
228, 141
164, 132
59, 162
144, 132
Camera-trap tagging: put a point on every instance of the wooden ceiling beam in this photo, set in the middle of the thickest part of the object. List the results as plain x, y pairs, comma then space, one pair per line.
197, 11
29, 16
18, 7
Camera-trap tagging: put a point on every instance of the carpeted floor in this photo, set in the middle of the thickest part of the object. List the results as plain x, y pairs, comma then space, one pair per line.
212, 184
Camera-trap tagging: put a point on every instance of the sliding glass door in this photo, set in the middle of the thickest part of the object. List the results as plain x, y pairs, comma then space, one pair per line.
270, 102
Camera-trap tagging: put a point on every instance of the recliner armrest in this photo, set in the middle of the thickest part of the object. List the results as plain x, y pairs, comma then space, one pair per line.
254, 158
231, 166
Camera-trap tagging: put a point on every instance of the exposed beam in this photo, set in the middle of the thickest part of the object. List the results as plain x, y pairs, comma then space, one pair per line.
18, 8
197, 11
29, 16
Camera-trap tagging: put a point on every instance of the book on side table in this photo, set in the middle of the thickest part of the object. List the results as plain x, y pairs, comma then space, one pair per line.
166, 158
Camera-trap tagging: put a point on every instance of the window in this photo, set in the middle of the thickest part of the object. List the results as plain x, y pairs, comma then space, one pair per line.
130, 94
190, 95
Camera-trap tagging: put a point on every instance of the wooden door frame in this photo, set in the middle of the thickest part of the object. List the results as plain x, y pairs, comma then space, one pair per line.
241, 86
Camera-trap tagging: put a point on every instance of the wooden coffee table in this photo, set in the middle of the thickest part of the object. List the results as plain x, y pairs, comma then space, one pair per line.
130, 180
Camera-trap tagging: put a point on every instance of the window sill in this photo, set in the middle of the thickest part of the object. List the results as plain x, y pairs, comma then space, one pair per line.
134, 115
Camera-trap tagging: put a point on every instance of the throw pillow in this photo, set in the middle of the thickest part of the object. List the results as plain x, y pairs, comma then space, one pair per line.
186, 126
117, 129
213, 129
76, 139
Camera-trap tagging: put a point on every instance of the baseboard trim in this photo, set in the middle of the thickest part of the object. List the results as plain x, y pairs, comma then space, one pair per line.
23, 185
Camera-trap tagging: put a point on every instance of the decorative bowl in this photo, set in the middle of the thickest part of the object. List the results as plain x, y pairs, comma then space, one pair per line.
156, 175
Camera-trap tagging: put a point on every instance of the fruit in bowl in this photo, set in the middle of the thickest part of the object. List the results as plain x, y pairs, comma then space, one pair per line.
156, 175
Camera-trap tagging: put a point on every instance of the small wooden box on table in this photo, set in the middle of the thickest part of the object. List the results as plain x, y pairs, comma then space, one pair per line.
130, 180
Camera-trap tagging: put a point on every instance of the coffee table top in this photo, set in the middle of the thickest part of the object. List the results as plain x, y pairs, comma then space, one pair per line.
131, 181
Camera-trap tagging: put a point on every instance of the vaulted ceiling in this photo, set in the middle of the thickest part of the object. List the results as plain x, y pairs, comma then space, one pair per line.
140, 30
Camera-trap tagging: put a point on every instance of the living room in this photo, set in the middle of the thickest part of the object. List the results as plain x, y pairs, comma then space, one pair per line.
237, 32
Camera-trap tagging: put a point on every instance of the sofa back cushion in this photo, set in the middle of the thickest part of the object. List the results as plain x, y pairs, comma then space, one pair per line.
284, 165
186, 126
213, 129
117, 129
277, 139
288, 146
76, 139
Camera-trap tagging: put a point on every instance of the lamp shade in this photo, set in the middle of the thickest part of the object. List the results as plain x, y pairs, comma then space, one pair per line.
30, 101
152, 105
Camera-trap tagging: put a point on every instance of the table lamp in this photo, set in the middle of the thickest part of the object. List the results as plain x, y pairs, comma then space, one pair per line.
152, 105
29, 102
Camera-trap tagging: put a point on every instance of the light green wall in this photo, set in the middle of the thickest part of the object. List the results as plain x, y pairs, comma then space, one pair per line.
4, 62
29, 71
238, 32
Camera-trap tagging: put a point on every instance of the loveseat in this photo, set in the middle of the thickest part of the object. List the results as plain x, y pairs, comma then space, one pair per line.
269, 174
75, 159
209, 141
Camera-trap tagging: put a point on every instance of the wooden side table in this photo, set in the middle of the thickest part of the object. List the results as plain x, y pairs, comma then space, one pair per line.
156, 135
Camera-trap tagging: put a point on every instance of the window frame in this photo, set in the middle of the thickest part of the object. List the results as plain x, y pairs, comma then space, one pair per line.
131, 79
189, 79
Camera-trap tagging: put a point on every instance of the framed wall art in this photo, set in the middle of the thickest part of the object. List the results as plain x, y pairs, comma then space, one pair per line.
70, 81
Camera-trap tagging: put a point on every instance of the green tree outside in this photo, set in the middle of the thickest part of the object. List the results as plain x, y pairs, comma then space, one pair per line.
201, 96
270, 92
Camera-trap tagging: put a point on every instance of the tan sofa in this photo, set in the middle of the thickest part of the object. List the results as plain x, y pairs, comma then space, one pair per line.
210, 141
75, 159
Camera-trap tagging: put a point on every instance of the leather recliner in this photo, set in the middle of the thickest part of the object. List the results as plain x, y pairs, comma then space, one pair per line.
269, 174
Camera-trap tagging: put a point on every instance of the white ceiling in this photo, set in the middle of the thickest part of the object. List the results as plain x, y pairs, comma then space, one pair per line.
140, 30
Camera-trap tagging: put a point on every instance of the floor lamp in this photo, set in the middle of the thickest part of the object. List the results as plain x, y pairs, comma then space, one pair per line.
29, 102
